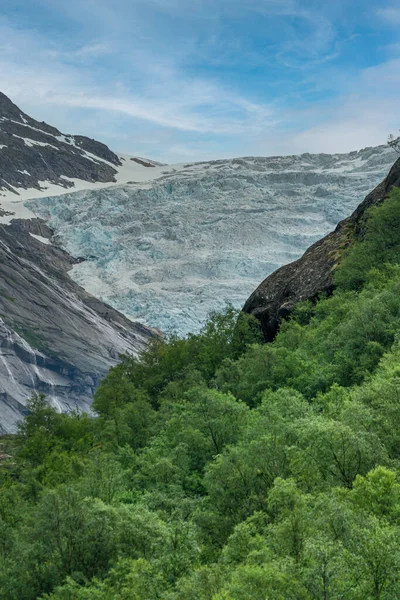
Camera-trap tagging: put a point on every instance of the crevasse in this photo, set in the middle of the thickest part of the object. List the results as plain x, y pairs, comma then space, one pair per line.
167, 252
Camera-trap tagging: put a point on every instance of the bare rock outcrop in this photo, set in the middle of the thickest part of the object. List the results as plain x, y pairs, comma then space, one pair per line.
312, 274
33, 152
55, 338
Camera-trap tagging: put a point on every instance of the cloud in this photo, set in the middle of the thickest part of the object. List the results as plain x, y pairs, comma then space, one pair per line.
365, 116
202, 79
173, 113
32, 70
87, 51
187, 29
390, 14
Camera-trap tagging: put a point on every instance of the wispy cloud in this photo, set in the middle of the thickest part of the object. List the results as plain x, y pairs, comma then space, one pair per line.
85, 52
191, 104
390, 14
204, 78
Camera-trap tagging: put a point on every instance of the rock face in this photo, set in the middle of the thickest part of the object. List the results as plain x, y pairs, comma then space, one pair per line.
32, 152
54, 337
312, 274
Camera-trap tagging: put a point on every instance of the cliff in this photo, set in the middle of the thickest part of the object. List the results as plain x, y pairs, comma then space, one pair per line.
55, 338
33, 152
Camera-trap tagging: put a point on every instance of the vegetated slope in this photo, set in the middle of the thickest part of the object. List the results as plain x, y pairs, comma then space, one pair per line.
171, 250
54, 336
220, 468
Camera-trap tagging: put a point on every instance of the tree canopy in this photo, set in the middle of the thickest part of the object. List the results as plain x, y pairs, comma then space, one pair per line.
221, 468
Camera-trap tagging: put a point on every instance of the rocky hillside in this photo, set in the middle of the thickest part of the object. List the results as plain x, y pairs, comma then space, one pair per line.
32, 153
54, 337
312, 274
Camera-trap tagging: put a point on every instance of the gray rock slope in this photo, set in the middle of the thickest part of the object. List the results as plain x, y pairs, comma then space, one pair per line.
32, 152
54, 337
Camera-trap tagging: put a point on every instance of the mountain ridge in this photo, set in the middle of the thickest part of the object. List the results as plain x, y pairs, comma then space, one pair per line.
55, 338
33, 151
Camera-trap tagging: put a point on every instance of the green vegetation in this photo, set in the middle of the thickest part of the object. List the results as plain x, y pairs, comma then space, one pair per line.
34, 339
9, 298
219, 468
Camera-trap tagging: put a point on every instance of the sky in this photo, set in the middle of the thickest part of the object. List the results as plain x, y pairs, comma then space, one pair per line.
187, 80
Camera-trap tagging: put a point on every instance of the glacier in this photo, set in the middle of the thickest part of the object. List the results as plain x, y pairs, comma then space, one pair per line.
200, 236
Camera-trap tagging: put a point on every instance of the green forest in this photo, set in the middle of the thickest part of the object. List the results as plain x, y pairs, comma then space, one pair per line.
222, 468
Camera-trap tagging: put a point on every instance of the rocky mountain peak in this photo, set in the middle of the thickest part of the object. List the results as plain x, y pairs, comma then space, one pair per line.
33, 153
55, 337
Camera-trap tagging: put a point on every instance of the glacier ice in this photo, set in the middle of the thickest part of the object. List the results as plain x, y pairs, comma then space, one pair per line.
169, 251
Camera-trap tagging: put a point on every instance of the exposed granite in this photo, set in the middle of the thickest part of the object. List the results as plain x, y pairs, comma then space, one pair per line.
54, 337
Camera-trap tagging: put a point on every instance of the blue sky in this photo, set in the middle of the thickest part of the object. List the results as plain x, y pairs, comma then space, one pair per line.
183, 80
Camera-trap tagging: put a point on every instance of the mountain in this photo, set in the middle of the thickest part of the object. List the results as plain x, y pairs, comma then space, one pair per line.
36, 160
55, 338
33, 152
170, 250
312, 274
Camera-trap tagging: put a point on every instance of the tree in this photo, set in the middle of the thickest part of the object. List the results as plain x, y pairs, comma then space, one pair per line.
394, 142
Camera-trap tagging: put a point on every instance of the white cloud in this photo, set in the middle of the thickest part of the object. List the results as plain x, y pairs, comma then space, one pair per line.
33, 73
365, 116
87, 51
390, 14
172, 26
121, 87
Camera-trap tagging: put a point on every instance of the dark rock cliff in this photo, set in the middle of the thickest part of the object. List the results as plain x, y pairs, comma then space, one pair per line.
54, 337
312, 274
32, 152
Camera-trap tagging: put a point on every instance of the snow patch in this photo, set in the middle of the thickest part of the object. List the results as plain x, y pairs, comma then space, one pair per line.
33, 143
26, 124
41, 239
